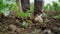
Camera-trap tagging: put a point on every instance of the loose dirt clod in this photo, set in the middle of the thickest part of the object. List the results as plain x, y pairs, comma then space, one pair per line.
13, 27
39, 19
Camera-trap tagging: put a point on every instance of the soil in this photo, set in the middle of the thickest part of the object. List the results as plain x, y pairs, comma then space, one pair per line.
12, 24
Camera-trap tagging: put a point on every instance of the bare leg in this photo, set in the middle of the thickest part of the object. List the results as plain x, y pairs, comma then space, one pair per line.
19, 5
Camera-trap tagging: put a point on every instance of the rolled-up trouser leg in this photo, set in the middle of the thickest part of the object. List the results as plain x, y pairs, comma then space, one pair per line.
38, 4
25, 5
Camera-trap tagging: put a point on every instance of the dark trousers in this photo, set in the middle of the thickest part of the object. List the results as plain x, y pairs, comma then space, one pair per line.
37, 5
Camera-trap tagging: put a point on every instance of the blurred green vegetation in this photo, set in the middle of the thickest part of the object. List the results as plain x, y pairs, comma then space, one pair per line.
7, 5
55, 7
10, 5
27, 13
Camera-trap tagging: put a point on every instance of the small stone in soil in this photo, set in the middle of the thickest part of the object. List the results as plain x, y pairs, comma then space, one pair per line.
47, 31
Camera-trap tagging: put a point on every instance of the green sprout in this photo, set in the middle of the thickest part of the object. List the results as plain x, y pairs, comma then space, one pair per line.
25, 24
